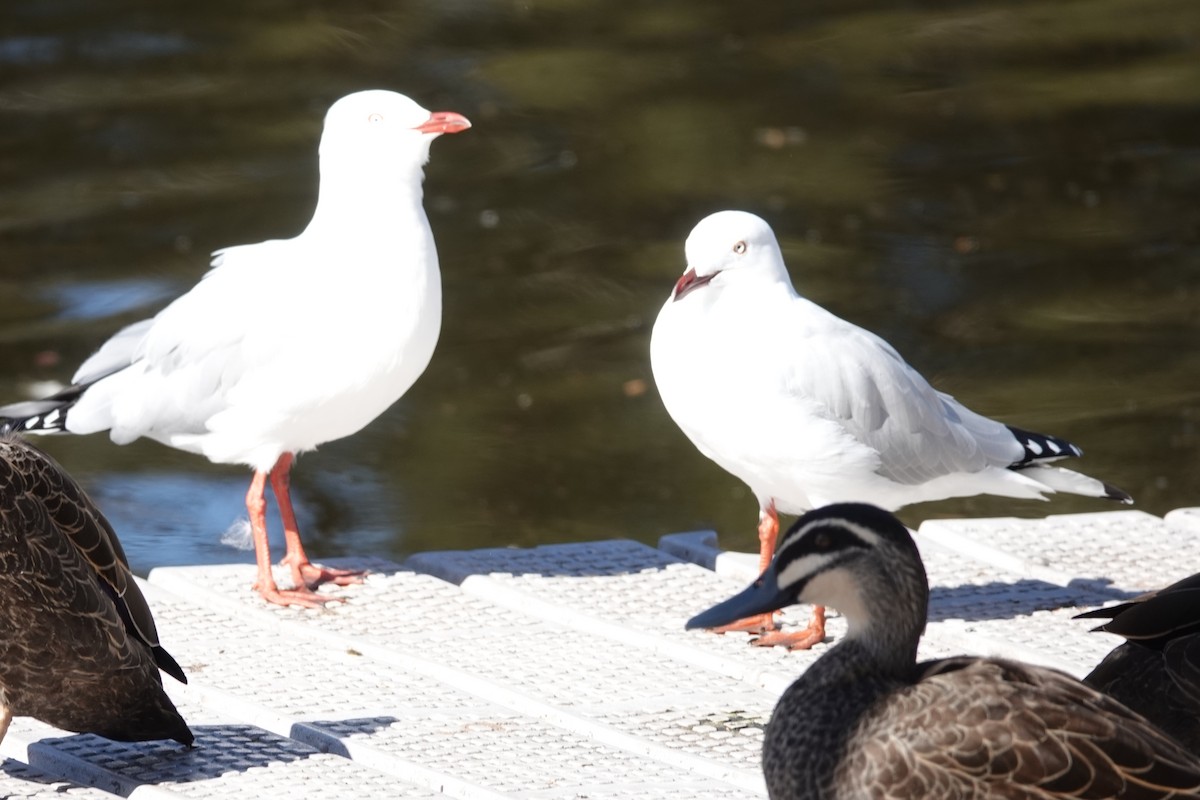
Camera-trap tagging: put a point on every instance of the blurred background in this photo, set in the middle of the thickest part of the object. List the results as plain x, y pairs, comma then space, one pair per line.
1009, 192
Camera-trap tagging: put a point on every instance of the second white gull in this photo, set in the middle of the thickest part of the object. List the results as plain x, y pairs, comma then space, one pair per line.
809, 409
288, 343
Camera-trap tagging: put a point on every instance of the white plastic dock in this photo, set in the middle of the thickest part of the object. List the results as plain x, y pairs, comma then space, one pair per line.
561, 671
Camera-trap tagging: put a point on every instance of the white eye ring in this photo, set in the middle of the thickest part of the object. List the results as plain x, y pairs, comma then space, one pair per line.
739, 248
375, 118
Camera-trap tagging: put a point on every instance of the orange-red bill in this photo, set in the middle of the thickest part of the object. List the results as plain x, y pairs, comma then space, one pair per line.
444, 122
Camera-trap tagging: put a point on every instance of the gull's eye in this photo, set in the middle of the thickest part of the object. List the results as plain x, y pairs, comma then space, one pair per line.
739, 248
375, 118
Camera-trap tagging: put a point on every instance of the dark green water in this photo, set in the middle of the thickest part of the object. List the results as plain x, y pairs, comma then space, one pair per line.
1007, 191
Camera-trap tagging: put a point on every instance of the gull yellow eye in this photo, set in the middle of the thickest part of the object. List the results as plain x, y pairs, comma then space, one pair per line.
739, 248
375, 118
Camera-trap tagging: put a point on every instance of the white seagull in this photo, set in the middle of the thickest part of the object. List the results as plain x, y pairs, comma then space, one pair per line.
809, 409
288, 343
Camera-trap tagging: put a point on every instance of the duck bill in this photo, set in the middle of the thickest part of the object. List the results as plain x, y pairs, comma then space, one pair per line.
444, 122
761, 597
689, 281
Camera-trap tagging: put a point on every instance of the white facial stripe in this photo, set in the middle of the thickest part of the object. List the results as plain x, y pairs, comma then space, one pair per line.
862, 531
806, 567
802, 568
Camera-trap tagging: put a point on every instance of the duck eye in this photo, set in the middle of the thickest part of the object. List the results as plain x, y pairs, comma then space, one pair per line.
739, 248
375, 118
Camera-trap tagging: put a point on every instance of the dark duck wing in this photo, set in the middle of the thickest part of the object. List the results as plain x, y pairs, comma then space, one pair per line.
78, 646
1156, 672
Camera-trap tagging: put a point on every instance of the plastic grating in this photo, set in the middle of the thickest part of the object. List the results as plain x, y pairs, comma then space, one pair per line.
1119, 553
261, 661
981, 610
230, 759
977, 607
561, 671
516, 755
626, 592
725, 728
422, 611
468, 652
1188, 518
20, 781
646, 790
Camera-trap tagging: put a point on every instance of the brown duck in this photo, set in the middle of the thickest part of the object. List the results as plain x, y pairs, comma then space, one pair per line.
78, 647
867, 721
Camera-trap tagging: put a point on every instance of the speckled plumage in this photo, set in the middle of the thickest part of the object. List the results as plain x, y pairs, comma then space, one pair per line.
78, 646
867, 721
1157, 671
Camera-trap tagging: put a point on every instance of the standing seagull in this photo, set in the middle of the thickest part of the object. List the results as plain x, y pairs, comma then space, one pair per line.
809, 409
286, 344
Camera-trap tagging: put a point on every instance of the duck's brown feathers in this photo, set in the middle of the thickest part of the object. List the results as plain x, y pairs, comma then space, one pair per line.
989, 728
78, 646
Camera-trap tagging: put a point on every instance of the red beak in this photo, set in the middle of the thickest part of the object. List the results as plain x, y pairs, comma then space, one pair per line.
444, 122
689, 281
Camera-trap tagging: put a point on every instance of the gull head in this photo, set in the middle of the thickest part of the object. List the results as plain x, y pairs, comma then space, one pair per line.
376, 128
726, 245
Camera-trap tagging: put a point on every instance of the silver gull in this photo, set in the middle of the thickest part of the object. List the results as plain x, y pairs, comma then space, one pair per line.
808, 409
288, 343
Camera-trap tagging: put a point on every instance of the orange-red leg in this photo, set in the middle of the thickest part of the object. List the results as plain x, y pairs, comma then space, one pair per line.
766, 625
768, 532
304, 572
256, 507
796, 640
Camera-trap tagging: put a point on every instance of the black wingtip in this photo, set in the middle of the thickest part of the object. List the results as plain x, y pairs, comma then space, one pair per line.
47, 415
1103, 612
185, 736
1120, 495
168, 664
43, 418
1041, 447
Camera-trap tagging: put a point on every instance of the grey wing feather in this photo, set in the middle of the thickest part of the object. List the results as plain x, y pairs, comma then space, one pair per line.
114, 355
162, 338
49, 414
919, 433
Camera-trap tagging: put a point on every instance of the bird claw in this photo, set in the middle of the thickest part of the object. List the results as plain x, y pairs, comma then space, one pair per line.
312, 575
803, 639
761, 624
796, 640
305, 598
